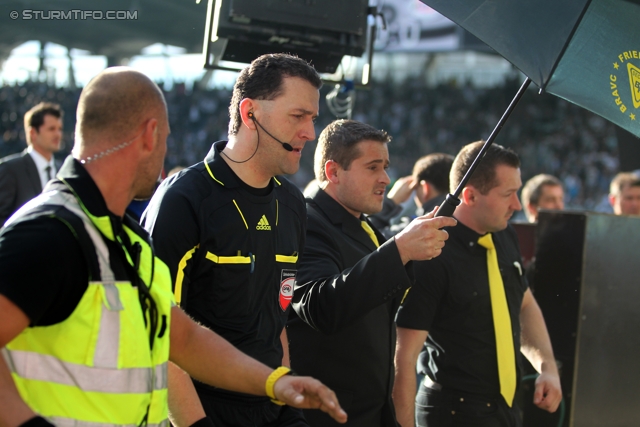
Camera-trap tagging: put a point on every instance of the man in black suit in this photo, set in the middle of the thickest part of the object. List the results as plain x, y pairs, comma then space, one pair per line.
350, 281
24, 175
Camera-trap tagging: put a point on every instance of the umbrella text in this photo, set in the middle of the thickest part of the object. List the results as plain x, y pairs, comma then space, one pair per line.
614, 87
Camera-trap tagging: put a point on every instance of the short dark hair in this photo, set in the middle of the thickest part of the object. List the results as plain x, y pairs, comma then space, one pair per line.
35, 117
484, 177
434, 169
532, 190
262, 80
338, 141
622, 181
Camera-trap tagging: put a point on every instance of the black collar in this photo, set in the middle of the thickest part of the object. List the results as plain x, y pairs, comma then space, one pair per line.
75, 177
463, 234
338, 215
333, 210
220, 171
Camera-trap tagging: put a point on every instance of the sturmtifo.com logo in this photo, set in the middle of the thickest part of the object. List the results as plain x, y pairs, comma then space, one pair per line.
625, 81
74, 15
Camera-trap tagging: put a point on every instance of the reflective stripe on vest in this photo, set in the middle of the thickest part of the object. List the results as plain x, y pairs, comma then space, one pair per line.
42, 367
68, 422
97, 363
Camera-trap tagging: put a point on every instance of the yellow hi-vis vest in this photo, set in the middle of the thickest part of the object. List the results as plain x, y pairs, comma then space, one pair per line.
96, 368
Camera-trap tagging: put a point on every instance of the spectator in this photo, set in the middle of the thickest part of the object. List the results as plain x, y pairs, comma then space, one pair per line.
24, 175
432, 176
624, 194
542, 192
552, 135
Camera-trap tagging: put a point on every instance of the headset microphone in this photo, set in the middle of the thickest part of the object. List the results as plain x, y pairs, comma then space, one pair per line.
285, 145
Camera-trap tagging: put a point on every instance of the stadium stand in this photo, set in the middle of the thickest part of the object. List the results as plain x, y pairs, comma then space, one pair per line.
550, 135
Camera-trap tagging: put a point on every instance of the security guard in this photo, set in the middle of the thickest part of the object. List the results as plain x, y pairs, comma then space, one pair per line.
87, 335
108, 353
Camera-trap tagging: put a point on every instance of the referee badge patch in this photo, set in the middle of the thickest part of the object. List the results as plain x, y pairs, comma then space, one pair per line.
287, 281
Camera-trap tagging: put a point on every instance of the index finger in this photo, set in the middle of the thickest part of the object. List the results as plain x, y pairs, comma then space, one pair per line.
330, 404
439, 222
430, 214
312, 393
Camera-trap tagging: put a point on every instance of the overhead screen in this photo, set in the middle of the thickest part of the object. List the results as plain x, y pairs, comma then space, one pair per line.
320, 31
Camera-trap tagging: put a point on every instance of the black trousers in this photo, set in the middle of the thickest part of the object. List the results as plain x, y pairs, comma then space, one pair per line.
452, 408
226, 411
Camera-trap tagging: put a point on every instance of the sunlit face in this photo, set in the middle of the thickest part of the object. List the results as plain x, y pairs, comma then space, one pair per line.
46, 140
627, 202
290, 118
493, 210
551, 197
360, 189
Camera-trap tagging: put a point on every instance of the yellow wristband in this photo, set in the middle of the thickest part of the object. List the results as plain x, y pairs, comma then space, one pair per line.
271, 381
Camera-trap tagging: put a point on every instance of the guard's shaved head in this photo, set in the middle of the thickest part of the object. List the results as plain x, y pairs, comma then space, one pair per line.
115, 103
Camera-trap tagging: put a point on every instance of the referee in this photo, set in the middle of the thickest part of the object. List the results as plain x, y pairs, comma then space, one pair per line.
231, 229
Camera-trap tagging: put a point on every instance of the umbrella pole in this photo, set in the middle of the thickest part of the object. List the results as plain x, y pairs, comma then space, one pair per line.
448, 207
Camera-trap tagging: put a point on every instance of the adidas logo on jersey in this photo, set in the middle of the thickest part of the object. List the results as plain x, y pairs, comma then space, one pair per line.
263, 224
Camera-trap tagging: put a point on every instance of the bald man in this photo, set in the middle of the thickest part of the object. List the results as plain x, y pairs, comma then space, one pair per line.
87, 317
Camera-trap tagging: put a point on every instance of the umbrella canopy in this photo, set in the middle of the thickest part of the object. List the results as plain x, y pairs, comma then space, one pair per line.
585, 51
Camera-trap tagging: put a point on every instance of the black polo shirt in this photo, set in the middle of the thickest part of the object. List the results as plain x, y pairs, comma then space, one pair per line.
451, 301
232, 252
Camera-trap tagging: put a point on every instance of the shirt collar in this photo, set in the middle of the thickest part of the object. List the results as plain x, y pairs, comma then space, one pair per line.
333, 210
77, 179
463, 234
220, 171
40, 161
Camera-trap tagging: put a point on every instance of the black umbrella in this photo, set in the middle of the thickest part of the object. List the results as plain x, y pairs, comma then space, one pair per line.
585, 51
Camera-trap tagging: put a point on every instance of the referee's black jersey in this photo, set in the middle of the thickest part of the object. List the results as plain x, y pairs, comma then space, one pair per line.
232, 254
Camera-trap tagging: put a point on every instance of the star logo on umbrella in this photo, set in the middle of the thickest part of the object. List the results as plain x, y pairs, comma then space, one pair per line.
617, 84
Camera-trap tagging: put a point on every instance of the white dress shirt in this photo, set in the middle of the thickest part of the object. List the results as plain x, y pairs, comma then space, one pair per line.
41, 165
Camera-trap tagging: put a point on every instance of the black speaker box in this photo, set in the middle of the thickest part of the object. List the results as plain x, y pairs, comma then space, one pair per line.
586, 280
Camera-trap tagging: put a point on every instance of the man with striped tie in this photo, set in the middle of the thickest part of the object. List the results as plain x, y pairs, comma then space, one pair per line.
350, 281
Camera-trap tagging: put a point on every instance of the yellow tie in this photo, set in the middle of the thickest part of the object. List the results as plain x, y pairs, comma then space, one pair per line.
370, 232
501, 323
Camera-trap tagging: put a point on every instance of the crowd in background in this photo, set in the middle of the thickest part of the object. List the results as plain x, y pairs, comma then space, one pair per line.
550, 135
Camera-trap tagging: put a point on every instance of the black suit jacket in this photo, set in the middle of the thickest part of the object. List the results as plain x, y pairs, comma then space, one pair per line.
347, 292
19, 183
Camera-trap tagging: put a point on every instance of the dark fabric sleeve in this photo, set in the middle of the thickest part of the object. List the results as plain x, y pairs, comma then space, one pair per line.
329, 296
8, 187
42, 270
172, 222
382, 220
421, 303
